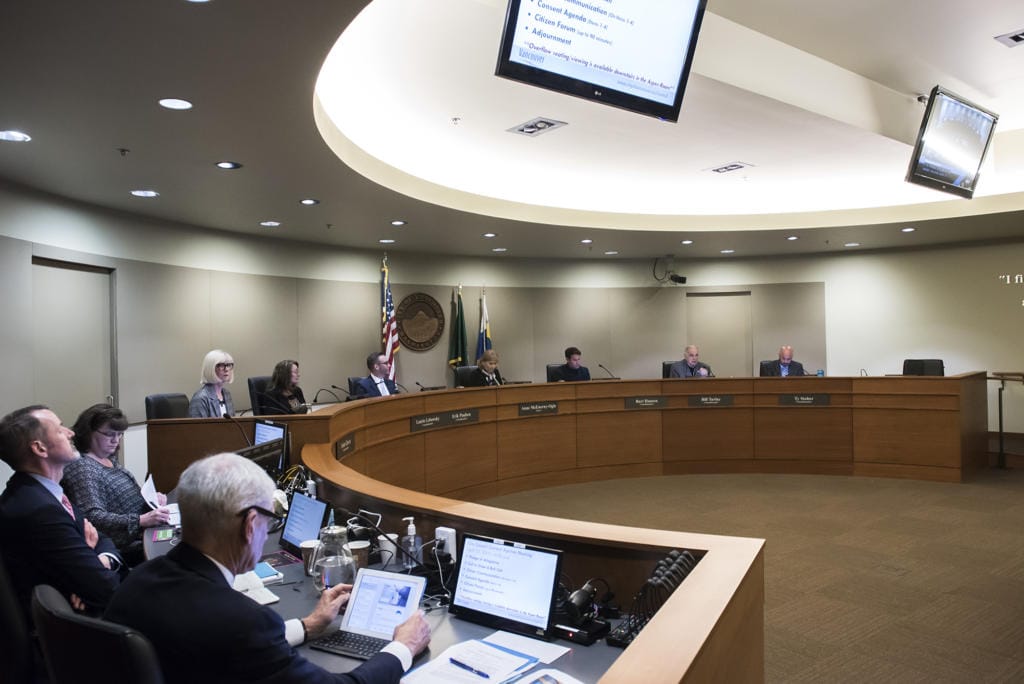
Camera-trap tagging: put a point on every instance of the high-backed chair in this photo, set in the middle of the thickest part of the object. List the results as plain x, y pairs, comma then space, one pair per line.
766, 368
552, 371
353, 387
166, 406
923, 367
462, 375
16, 647
257, 392
666, 368
85, 649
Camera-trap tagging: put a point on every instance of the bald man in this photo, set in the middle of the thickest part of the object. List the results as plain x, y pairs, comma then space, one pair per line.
783, 368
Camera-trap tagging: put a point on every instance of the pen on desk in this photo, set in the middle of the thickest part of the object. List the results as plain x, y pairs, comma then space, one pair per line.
285, 584
464, 666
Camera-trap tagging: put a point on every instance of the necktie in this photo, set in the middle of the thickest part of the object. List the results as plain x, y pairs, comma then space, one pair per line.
67, 505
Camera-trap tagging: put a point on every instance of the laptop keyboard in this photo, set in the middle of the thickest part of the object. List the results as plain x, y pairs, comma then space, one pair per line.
350, 644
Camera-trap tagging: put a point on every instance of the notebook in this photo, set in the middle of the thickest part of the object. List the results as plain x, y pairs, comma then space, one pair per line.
380, 601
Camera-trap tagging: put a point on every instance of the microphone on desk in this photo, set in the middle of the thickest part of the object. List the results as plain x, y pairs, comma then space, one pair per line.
424, 388
863, 373
610, 374
398, 384
238, 425
347, 393
323, 389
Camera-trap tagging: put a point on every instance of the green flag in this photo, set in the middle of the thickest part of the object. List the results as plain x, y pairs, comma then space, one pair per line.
457, 341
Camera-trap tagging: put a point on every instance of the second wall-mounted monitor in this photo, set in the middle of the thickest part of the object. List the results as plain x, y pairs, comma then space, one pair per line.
633, 55
951, 145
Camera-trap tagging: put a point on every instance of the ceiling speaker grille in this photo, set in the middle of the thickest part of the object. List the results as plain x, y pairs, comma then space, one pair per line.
535, 127
1012, 39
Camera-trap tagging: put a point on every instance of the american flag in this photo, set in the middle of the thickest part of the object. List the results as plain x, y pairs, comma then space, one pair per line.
389, 334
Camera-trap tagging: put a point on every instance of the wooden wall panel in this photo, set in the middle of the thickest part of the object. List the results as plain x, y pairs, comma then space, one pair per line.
902, 437
460, 457
538, 445
399, 462
614, 438
707, 434
809, 433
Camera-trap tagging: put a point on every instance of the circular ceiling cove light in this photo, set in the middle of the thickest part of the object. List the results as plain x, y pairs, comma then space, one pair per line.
145, 193
270, 224
610, 253
728, 251
852, 244
398, 222
309, 201
176, 104
228, 165
15, 136
686, 242
908, 229
499, 249
488, 236
586, 241
792, 237
386, 241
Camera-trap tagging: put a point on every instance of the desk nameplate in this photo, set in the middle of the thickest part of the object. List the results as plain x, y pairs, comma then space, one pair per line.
345, 446
710, 400
646, 402
538, 408
805, 399
430, 421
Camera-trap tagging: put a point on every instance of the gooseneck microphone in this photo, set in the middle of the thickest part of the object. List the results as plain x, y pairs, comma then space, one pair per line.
238, 425
347, 393
611, 375
323, 389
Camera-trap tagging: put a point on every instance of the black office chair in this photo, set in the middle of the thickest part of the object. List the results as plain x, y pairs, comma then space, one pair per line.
766, 369
85, 649
933, 367
166, 406
462, 375
16, 648
666, 368
553, 372
353, 387
257, 392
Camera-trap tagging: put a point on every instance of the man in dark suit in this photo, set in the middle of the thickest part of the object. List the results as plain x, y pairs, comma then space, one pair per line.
784, 367
205, 631
378, 383
571, 370
691, 366
44, 539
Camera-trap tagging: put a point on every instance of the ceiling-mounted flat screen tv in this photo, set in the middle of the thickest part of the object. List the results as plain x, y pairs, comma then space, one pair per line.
951, 145
633, 55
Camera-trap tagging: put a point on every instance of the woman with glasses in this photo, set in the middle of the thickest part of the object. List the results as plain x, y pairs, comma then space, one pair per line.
283, 394
213, 400
103, 489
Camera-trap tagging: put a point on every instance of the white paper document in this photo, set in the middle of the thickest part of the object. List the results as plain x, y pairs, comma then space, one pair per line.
149, 492
541, 650
471, 662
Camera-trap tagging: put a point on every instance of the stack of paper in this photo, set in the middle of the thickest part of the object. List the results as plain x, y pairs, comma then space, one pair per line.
473, 662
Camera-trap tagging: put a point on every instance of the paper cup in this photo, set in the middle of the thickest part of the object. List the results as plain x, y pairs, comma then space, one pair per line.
360, 553
308, 547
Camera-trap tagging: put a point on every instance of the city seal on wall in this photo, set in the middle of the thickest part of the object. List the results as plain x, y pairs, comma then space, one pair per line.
420, 321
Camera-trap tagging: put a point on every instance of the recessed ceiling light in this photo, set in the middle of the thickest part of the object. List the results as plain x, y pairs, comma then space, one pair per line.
792, 237
398, 222
309, 201
175, 104
499, 249
686, 242
270, 224
611, 253
145, 193
852, 244
908, 229
488, 236
15, 136
728, 251
386, 241
197, 2
586, 241
228, 165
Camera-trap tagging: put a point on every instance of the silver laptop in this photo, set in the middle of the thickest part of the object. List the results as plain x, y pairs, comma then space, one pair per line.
380, 601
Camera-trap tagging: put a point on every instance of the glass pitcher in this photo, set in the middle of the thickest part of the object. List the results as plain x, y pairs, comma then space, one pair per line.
331, 563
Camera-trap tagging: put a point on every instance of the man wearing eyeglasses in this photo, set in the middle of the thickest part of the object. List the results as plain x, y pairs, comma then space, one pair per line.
44, 539
201, 628
378, 383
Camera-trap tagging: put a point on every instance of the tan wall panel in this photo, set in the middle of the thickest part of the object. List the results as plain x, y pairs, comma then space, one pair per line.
611, 439
538, 445
399, 462
910, 437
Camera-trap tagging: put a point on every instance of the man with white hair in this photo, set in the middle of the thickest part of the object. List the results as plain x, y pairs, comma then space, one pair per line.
201, 628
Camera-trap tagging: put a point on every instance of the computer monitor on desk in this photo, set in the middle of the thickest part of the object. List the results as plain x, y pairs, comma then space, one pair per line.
507, 585
268, 455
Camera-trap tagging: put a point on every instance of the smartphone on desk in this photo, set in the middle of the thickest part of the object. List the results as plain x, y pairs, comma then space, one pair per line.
266, 572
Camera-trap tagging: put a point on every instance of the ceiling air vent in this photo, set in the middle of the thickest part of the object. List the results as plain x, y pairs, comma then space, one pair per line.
1012, 39
535, 127
731, 166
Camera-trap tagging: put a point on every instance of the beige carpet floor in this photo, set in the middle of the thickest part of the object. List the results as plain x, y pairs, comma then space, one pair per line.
866, 579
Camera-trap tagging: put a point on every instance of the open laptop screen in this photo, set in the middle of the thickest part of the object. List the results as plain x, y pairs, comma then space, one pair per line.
306, 516
507, 585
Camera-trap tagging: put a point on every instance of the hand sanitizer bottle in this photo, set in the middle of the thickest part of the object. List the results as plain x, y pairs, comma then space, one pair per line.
412, 545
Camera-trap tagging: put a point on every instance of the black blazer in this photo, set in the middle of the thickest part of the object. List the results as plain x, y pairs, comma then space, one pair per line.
274, 403
205, 631
478, 379
41, 544
773, 369
367, 387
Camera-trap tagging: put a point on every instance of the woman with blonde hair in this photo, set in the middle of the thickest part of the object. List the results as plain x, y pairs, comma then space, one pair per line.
213, 400
486, 373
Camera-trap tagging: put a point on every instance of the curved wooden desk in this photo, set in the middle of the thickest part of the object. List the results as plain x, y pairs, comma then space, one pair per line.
431, 454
